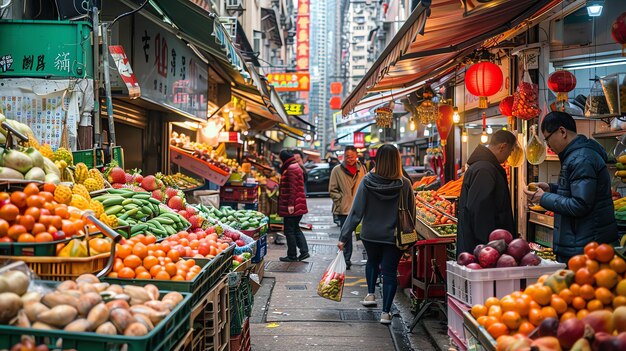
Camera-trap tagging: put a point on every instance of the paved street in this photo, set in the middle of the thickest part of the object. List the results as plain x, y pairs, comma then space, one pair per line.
289, 315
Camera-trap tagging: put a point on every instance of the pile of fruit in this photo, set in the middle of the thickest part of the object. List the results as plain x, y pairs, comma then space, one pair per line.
501, 251
143, 258
179, 181
239, 259
331, 285
236, 219
434, 199
205, 152
620, 209
85, 305
200, 244
28, 164
449, 229
451, 188
91, 179
583, 308
39, 216
432, 217
424, 182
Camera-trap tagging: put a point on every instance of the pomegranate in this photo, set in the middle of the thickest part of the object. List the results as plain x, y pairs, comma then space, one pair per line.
506, 261
518, 248
465, 259
477, 249
530, 259
501, 234
488, 257
474, 266
499, 245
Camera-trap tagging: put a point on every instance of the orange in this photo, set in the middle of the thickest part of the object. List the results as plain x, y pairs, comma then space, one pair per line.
178, 278
126, 272
159, 253
155, 269
604, 253
590, 250
118, 264
604, 295
171, 269
511, 319
4, 227
173, 255
150, 239
191, 263
577, 262
43, 237
31, 189
508, 303
592, 266
542, 295
150, 261
26, 238
526, 328
49, 197
488, 303
522, 306
34, 212
618, 265
139, 238
140, 250
606, 277
535, 317
559, 305
594, 305
497, 329
567, 315
18, 198
15, 230
123, 251
143, 275
619, 301
49, 187
192, 275
575, 289
587, 292
482, 320
543, 278
132, 261
548, 312
579, 303
9, 212
162, 275
62, 211
583, 276
567, 295
35, 201
112, 275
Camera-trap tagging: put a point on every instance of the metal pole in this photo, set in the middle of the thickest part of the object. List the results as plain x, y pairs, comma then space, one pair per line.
107, 83
96, 78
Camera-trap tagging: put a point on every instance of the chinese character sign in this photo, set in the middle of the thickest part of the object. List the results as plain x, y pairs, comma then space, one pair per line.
359, 139
302, 36
289, 81
294, 109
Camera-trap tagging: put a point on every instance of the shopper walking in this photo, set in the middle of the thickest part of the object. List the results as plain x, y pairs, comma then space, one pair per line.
376, 206
342, 186
485, 202
581, 200
292, 206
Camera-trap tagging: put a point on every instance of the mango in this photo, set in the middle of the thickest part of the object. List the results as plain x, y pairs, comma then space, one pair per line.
621, 159
560, 280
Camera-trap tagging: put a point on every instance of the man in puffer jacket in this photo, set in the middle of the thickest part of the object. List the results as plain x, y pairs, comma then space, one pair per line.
292, 206
581, 201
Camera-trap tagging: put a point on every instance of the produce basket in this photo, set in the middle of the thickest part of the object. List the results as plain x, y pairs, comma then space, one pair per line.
164, 336
476, 336
261, 249
31, 249
474, 286
241, 300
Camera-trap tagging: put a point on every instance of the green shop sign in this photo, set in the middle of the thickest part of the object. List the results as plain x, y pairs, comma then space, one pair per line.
45, 49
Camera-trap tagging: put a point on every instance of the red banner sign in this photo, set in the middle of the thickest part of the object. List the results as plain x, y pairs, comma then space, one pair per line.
289, 81
126, 72
302, 35
359, 139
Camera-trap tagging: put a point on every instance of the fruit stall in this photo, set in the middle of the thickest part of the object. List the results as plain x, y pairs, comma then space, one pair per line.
108, 259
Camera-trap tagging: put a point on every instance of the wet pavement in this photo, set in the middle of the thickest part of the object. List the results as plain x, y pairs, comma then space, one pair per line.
289, 315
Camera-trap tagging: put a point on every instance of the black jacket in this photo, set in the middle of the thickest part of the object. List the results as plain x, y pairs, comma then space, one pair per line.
485, 202
376, 204
581, 201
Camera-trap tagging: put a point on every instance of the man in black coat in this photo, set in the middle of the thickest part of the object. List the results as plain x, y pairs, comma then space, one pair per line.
581, 201
485, 202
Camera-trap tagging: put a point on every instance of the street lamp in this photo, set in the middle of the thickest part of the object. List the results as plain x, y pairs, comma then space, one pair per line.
456, 118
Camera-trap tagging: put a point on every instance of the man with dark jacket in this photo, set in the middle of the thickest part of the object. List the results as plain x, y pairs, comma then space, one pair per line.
485, 202
581, 201
342, 186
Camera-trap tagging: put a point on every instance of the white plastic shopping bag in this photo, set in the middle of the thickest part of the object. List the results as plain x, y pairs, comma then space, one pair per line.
331, 284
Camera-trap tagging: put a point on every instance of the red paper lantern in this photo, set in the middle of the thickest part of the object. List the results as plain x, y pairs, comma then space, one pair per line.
336, 88
444, 122
506, 108
335, 103
483, 79
561, 82
618, 31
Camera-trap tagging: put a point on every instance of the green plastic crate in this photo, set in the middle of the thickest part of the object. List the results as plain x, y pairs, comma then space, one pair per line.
31, 249
88, 157
241, 301
165, 336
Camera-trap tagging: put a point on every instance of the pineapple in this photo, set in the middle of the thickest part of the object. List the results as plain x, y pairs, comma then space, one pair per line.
81, 172
91, 185
63, 194
79, 202
110, 220
97, 176
96, 207
63, 154
81, 190
46, 151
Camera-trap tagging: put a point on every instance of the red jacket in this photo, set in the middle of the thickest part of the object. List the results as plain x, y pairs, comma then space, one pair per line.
291, 190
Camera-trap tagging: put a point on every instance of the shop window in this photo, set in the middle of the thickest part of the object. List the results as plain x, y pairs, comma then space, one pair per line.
257, 38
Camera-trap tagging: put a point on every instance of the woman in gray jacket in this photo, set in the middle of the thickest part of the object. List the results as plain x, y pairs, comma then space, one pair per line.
376, 205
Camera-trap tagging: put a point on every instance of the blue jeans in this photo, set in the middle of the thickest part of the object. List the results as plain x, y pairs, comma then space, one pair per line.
295, 237
382, 258
347, 249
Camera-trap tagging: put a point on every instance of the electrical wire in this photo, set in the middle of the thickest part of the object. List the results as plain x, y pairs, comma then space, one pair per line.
129, 13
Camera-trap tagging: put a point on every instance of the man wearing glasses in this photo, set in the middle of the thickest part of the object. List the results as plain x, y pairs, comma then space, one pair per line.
581, 200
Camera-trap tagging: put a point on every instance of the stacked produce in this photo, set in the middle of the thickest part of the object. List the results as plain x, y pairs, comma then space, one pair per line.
240, 259
200, 244
27, 164
438, 202
448, 229
501, 251
143, 258
237, 219
36, 216
451, 188
582, 308
140, 211
430, 216
179, 181
620, 208
205, 152
85, 305
424, 182
91, 179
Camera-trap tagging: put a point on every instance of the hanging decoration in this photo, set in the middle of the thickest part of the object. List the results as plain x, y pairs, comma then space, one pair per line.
618, 31
506, 108
427, 110
483, 79
483, 137
383, 116
444, 123
561, 82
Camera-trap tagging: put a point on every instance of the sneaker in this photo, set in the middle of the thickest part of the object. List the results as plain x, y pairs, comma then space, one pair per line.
385, 318
369, 300
288, 259
303, 256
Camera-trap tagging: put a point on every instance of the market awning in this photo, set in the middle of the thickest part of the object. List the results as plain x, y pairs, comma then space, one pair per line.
449, 33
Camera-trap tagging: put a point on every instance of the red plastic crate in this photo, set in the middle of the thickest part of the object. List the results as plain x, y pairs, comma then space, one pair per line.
423, 252
233, 193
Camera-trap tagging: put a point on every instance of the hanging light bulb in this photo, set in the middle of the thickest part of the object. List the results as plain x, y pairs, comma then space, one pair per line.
484, 138
402, 130
464, 136
456, 118
412, 125
489, 130
426, 132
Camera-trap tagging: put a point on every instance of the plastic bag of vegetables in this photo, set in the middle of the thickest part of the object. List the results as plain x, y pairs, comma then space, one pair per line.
331, 285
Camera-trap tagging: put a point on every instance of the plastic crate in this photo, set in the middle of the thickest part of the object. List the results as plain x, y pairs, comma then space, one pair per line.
239, 193
456, 309
475, 286
261, 249
457, 341
164, 336
63, 268
31, 249
88, 157
241, 205
241, 342
207, 315
476, 336
241, 302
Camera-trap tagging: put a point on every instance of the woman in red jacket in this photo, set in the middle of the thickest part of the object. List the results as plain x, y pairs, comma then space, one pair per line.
291, 206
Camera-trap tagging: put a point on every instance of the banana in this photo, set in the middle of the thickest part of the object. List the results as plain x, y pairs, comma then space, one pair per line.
112, 201
154, 201
114, 209
142, 196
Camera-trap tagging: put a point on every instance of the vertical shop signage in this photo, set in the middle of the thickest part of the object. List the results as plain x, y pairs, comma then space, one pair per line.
126, 72
168, 71
302, 35
359, 139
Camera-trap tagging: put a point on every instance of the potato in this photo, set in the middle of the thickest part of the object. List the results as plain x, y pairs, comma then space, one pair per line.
153, 291
172, 299
33, 309
98, 315
87, 288
56, 298
17, 281
100, 287
155, 316
118, 304
87, 302
10, 304
21, 320
107, 329
67, 285
79, 325
138, 294
157, 306
117, 289
59, 316
145, 320
44, 326
31, 296
136, 329
121, 318
87, 278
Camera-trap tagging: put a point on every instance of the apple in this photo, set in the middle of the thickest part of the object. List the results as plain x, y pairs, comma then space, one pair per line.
204, 249
57, 235
240, 242
235, 236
